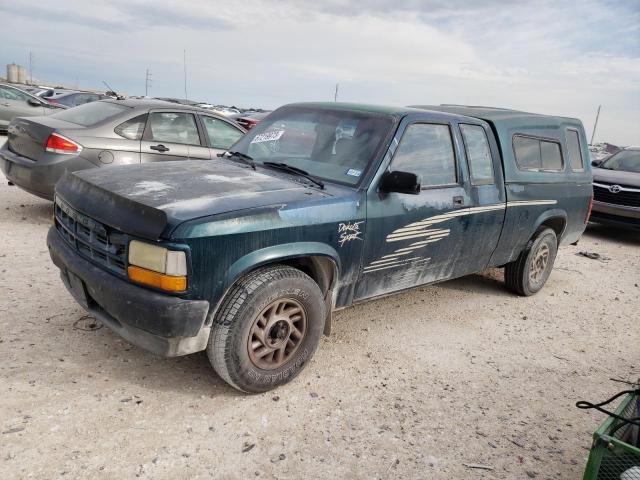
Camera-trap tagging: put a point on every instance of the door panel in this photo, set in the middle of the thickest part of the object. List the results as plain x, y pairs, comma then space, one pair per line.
410, 240
168, 136
486, 218
416, 239
199, 153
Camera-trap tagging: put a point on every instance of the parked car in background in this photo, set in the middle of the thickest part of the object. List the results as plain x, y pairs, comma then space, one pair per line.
616, 189
18, 103
39, 151
250, 120
247, 256
73, 99
38, 91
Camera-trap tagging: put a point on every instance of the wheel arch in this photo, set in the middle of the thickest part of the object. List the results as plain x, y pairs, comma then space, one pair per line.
555, 219
318, 260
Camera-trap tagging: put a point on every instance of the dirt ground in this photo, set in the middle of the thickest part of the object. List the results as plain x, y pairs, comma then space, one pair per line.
411, 386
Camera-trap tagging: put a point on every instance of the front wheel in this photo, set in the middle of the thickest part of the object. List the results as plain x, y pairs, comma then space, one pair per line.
529, 272
267, 329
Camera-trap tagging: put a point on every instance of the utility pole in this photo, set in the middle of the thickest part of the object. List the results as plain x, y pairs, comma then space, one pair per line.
30, 68
335, 95
147, 83
184, 61
593, 134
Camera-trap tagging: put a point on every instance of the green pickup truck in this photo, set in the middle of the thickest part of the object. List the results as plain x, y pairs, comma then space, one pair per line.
319, 207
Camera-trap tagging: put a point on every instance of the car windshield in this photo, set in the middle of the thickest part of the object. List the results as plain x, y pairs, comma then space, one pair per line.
332, 144
91, 113
624, 160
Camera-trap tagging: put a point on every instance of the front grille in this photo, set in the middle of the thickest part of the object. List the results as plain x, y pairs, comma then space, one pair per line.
93, 240
629, 199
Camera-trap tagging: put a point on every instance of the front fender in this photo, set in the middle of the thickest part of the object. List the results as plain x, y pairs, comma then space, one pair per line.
275, 253
271, 255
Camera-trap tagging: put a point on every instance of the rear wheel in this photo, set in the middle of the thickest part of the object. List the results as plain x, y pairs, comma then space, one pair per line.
529, 272
267, 329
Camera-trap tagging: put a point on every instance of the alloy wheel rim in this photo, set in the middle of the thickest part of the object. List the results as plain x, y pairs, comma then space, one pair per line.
276, 333
539, 264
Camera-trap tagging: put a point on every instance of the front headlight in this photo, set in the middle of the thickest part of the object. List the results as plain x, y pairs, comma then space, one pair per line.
157, 266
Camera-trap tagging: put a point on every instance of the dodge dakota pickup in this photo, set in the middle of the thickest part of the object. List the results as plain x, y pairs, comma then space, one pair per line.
319, 207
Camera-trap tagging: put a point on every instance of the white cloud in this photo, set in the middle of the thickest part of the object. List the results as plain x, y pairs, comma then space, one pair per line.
553, 57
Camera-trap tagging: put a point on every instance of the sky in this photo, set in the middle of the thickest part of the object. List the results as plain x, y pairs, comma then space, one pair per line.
559, 58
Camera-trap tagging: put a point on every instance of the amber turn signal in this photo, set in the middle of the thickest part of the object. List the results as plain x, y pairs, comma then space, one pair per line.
169, 283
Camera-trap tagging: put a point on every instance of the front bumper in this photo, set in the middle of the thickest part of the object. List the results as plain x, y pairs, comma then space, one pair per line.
163, 324
38, 178
615, 215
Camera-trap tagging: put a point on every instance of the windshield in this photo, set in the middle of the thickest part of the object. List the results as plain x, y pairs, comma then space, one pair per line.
624, 160
90, 113
335, 145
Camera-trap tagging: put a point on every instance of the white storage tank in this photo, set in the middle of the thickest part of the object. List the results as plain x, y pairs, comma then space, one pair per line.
22, 74
12, 73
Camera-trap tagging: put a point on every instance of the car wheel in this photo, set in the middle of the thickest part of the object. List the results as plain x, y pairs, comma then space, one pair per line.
529, 272
267, 329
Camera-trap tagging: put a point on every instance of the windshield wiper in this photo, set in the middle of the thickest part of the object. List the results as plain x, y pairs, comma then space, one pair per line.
239, 155
298, 171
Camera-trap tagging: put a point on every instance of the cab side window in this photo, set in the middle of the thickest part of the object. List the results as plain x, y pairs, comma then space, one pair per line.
13, 94
173, 127
221, 134
476, 145
133, 128
427, 150
575, 152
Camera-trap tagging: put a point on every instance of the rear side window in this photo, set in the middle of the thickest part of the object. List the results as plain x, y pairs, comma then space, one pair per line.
13, 94
91, 113
132, 129
537, 154
575, 152
476, 145
427, 151
173, 127
221, 134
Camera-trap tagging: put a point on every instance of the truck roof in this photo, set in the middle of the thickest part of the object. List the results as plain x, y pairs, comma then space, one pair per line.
358, 107
502, 117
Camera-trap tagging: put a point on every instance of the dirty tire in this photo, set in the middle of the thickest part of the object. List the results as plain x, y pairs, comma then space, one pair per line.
242, 313
528, 273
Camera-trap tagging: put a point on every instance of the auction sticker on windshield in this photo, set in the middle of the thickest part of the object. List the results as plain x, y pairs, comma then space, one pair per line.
268, 136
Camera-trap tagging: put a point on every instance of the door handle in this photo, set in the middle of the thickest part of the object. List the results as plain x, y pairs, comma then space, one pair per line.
458, 201
159, 148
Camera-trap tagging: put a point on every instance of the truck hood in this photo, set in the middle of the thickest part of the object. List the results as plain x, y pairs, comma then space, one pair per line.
618, 177
149, 199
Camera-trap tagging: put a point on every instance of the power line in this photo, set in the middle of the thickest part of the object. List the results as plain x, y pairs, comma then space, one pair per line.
184, 61
147, 83
593, 134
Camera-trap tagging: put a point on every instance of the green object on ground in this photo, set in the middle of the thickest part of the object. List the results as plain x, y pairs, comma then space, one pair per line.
615, 449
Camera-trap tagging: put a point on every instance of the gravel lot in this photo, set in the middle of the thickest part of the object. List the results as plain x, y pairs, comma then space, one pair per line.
411, 386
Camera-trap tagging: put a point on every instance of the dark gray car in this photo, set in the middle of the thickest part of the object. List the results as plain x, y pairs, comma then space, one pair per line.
74, 99
18, 103
39, 150
616, 189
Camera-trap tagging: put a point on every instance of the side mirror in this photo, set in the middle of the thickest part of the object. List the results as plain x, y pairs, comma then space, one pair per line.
34, 103
596, 163
400, 182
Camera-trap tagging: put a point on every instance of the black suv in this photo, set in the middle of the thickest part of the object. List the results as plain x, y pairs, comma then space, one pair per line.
616, 189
